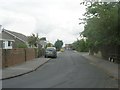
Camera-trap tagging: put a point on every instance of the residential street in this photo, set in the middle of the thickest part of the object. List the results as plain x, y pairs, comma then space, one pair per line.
69, 70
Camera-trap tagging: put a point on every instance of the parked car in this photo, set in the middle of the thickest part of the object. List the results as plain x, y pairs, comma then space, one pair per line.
51, 52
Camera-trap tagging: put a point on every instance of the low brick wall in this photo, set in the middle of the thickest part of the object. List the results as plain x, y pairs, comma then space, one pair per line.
3, 58
12, 57
0, 58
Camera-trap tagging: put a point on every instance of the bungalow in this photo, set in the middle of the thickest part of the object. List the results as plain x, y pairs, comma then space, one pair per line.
12, 39
5, 43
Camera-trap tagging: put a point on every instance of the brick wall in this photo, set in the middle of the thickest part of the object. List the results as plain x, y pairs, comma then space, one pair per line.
12, 57
0, 58
30, 53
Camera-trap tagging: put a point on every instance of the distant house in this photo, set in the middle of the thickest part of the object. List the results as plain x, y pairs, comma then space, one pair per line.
43, 42
12, 39
68, 46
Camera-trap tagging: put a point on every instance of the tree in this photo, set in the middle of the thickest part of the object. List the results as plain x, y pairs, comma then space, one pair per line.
101, 28
58, 44
33, 40
80, 45
49, 44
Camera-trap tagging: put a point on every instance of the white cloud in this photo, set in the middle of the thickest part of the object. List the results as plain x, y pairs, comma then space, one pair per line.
55, 19
17, 22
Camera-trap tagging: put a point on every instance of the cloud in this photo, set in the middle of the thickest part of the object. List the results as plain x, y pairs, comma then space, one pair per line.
55, 19
62, 35
18, 22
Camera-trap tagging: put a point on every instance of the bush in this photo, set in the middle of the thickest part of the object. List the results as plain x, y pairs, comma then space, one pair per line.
21, 46
40, 52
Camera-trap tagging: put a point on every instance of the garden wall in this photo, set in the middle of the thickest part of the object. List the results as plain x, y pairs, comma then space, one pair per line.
16, 56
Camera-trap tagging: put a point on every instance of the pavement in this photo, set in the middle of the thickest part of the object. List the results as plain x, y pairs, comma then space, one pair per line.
110, 67
32, 65
23, 68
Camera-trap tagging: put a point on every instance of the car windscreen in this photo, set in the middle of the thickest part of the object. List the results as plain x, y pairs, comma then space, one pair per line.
50, 49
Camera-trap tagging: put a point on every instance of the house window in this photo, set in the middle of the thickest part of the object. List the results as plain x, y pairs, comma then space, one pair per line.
9, 43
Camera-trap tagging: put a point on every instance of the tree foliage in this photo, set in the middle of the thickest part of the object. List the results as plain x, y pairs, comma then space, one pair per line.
33, 40
102, 24
80, 45
49, 44
58, 44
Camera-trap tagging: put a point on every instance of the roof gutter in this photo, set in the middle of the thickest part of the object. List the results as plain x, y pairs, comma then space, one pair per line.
6, 40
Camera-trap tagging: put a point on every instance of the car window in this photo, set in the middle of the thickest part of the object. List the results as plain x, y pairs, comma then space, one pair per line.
50, 49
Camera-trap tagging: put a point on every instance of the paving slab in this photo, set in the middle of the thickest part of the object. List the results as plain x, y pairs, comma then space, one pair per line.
23, 68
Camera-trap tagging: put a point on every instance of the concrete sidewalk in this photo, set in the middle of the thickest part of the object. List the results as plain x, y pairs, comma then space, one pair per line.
110, 67
23, 68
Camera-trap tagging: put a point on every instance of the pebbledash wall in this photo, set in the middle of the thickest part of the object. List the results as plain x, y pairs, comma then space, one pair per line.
16, 56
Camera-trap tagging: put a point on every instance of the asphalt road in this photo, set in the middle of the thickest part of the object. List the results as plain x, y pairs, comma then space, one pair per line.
69, 70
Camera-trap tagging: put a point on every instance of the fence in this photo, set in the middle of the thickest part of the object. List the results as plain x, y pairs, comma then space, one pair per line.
16, 56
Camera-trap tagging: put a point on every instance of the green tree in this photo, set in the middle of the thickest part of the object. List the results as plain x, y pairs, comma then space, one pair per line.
49, 44
101, 25
33, 40
58, 44
80, 45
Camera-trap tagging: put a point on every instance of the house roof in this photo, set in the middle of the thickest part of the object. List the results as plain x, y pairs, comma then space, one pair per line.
16, 35
43, 38
1, 39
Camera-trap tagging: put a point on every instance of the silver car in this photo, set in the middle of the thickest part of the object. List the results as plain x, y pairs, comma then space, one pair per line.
50, 52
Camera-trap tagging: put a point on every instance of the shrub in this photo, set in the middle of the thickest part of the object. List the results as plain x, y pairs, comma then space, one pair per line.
21, 46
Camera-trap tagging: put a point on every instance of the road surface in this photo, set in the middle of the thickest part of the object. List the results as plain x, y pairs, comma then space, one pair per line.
69, 70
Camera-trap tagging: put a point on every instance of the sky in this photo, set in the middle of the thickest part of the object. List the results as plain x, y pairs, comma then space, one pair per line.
53, 19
